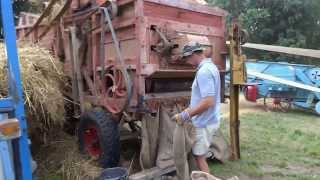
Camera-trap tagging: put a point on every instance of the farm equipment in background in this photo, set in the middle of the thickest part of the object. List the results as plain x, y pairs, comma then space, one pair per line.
281, 85
284, 84
15, 157
281, 95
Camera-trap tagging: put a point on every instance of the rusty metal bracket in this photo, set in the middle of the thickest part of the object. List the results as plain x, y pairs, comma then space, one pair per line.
164, 47
237, 38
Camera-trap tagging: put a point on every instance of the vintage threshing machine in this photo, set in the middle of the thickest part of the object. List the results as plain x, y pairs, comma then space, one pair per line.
124, 56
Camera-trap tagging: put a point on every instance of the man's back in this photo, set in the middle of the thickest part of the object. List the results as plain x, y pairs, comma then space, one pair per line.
206, 83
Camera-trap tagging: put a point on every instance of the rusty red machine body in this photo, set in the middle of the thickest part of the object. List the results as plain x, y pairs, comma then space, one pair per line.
125, 56
151, 34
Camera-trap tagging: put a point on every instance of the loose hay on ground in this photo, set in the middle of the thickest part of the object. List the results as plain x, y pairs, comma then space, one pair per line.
60, 158
43, 80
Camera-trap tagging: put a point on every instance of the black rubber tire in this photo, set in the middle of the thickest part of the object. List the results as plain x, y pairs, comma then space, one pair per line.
108, 134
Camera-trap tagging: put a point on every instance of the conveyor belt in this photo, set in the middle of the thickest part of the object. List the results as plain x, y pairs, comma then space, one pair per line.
284, 81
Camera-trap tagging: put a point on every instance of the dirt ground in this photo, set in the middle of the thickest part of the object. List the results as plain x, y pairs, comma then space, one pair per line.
245, 107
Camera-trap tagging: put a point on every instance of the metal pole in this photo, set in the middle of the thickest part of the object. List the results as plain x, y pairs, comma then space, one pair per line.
15, 91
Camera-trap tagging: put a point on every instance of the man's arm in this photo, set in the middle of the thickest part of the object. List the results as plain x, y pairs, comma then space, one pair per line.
205, 83
202, 106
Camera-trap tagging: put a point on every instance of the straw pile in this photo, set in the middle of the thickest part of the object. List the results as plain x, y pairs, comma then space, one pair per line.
43, 80
61, 158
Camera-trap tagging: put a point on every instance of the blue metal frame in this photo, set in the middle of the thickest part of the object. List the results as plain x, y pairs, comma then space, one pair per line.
15, 101
294, 72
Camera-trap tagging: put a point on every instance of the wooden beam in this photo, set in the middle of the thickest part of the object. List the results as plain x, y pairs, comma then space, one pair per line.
153, 173
56, 17
45, 14
286, 50
196, 7
237, 77
167, 95
281, 49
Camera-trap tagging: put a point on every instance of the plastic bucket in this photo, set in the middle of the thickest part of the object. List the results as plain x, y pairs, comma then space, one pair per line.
117, 173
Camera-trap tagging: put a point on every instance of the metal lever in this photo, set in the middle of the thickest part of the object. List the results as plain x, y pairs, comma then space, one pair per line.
163, 48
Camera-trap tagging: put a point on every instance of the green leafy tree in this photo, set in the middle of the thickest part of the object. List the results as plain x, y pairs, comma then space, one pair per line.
291, 23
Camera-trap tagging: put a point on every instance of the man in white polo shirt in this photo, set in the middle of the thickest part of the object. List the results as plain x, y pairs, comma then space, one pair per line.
204, 109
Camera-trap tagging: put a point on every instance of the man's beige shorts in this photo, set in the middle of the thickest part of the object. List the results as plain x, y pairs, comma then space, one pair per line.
203, 139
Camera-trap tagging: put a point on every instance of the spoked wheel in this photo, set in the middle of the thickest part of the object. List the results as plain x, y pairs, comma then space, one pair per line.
286, 104
276, 104
112, 91
99, 136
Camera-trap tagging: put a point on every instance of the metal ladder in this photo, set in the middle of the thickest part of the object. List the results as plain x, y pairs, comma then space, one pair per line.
15, 162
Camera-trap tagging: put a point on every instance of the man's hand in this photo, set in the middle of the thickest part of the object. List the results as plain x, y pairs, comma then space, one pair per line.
182, 117
188, 113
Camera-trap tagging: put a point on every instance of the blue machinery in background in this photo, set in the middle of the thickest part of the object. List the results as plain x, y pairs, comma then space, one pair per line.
287, 93
15, 162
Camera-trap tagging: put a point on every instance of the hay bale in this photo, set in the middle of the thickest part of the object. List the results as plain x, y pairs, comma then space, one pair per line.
43, 81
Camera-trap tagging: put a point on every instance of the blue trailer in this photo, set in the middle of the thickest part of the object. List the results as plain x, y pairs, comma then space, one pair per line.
283, 85
15, 158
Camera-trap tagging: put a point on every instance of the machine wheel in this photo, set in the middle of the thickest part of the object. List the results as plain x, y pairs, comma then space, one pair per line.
99, 136
277, 104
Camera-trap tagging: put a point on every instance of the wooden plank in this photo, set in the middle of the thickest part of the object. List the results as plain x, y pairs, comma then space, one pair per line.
152, 173
287, 50
74, 85
181, 15
75, 45
284, 81
167, 95
281, 49
192, 7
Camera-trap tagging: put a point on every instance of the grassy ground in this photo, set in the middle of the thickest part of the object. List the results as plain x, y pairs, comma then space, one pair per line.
275, 145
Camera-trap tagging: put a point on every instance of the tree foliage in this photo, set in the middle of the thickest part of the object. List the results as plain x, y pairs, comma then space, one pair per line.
23, 5
291, 23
